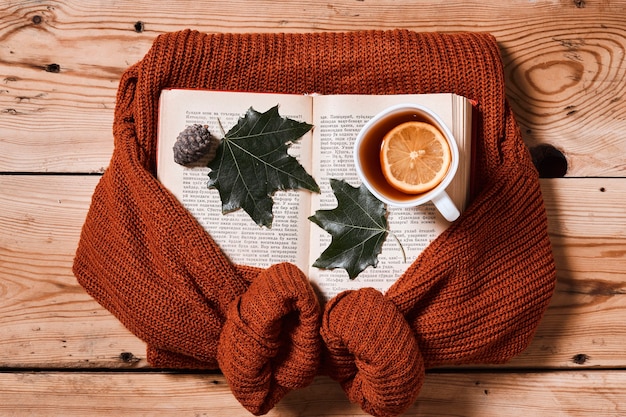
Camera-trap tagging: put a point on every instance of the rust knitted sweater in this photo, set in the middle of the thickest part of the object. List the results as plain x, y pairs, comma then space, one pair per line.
475, 295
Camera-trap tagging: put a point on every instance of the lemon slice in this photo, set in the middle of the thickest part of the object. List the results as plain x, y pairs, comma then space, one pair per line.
415, 157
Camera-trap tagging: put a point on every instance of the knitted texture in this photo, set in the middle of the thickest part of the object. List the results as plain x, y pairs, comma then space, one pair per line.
475, 295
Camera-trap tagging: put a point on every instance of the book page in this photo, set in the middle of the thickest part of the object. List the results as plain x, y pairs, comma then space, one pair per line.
243, 241
338, 120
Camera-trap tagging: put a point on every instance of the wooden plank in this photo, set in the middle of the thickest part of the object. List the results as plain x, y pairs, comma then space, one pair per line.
48, 320
61, 61
132, 394
587, 226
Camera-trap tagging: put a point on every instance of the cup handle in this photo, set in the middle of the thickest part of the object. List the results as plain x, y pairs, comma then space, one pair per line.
446, 206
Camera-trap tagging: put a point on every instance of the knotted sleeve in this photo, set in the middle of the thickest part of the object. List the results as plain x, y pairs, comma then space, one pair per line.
149, 262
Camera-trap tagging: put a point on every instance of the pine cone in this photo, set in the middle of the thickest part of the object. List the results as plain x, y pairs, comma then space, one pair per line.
194, 143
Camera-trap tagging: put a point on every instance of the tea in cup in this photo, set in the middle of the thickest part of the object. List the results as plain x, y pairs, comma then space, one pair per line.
407, 156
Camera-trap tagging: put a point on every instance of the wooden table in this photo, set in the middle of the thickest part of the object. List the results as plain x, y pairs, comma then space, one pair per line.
60, 63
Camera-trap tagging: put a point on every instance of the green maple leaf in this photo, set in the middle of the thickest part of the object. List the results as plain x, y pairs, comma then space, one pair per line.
252, 162
358, 226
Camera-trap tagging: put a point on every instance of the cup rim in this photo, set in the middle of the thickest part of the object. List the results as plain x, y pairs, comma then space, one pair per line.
419, 198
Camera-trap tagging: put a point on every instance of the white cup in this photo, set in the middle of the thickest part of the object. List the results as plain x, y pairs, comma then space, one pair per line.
367, 159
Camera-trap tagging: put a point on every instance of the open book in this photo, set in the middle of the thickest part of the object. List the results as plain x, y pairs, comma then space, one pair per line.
325, 152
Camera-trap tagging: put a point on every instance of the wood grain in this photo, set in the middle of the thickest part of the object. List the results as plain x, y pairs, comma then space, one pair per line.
46, 317
139, 394
48, 321
60, 63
